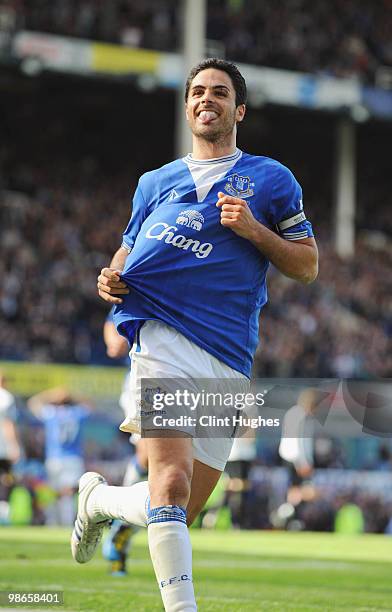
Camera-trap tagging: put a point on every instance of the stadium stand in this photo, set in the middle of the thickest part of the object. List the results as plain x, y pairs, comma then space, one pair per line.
340, 38
344, 39
48, 243
337, 331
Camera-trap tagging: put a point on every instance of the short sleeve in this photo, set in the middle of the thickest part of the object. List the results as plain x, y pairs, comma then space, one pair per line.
286, 207
139, 214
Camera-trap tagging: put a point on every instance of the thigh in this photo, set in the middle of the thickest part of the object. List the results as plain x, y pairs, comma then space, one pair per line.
168, 449
204, 480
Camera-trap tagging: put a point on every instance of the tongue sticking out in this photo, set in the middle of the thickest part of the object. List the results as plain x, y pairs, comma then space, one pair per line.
207, 116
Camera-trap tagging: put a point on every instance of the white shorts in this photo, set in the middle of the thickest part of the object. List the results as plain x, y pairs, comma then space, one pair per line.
124, 402
164, 353
65, 472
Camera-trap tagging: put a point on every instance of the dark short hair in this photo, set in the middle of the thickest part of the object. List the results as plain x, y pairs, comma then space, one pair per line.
219, 64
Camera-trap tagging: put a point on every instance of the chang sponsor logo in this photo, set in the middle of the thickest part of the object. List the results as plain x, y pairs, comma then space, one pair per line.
191, 218
167, 233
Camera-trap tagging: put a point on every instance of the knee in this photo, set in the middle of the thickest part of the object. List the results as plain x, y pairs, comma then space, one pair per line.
172, 485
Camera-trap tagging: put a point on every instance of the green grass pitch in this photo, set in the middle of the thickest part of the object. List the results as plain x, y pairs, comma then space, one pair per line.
233, 572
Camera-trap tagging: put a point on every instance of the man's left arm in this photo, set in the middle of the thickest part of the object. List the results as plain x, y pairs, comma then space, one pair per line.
296, 259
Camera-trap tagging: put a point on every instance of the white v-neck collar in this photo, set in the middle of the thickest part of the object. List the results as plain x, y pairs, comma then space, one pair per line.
207, 172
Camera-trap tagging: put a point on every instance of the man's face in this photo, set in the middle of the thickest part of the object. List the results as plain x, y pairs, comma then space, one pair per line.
210, 108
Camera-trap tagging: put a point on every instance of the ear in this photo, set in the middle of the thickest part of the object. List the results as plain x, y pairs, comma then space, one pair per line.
240, 113
186, 112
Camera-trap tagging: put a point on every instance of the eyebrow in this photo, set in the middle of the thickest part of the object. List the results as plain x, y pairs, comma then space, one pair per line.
214, 87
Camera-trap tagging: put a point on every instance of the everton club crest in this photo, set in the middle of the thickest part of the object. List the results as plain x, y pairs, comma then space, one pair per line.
239, 186
150, 394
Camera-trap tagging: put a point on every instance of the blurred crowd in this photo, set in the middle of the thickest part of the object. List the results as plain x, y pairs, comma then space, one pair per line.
343, 38
56, 234
338, 327
151, 24
312, 507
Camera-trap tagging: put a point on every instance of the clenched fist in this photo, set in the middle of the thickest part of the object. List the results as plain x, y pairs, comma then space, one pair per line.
237, 215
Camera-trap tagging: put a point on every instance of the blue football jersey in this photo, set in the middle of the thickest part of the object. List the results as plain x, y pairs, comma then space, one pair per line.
63, 430
187, 270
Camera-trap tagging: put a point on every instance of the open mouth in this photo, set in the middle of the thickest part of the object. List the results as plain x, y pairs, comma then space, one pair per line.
206, 116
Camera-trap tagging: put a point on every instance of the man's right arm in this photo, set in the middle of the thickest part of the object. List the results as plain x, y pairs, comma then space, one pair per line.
109, 284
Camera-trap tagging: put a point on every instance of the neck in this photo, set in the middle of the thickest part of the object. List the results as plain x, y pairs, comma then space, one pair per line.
202, 149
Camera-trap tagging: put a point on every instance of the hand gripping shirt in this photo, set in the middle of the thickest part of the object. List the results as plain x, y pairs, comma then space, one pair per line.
189, 271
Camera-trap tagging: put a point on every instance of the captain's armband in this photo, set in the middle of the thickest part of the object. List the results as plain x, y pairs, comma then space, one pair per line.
291, 221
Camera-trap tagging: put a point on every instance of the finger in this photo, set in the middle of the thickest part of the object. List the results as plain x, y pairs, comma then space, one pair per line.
228, 207
232, 207
222, 198
229, 215
225, 196
230, 199
112, 290
109, 291
111, 283
111, 274
226, 199
228, 222
110, 298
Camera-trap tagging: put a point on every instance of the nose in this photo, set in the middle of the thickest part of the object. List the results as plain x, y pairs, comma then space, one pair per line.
206, 97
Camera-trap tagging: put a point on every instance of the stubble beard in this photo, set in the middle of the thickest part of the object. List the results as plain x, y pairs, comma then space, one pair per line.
220, 135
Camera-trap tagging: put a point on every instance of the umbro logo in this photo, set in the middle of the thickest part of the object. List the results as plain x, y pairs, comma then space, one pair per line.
173, 195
